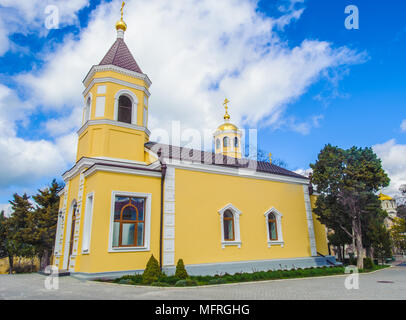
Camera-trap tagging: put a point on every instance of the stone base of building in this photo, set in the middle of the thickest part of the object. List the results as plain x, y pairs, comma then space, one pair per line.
225, 267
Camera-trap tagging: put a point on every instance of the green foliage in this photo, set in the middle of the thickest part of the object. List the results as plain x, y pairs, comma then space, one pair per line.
181, 272
347, 181
382, 243
398, 234
160, 284
186, 283
152, 272
368, 264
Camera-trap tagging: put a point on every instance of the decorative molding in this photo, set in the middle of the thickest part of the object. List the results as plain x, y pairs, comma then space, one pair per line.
147, 227
67, 236
58, 250
111, 67
236, 219
85, 163
169, 218
107, 168
113, 123
240, 172
278, 217
309, 218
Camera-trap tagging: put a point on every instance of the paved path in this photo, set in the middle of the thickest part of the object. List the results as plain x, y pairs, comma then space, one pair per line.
31, 286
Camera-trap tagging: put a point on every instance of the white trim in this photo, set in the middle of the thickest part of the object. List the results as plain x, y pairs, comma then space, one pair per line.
111, 67
236, 218
240, 172
106, 168
116, 81
89, 96
147, 225
85, 163
68, 235
87, 225
134, 108
278, 217
169, 218
113, 123
309, 218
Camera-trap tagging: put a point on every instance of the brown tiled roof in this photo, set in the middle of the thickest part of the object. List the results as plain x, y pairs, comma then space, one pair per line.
120, 56
180, 153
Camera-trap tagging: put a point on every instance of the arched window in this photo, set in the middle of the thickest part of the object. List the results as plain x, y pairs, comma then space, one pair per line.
129, 222
226, 142
218, 144
236, 142
228, 225
124, 109
272, 228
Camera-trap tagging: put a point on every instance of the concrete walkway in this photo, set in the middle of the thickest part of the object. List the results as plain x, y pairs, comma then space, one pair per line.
384, 284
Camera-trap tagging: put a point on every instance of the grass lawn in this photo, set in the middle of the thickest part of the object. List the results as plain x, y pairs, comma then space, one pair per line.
172, 281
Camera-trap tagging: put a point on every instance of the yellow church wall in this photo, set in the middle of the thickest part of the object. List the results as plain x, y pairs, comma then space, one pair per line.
200, 195
107, 140
319, 231
99, 259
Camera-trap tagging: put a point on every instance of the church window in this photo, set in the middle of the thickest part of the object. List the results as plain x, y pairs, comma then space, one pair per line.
129, 222
272, 227
228, 225
218, 144
87, 109
226, 142
124, 109
236, 142
273, 219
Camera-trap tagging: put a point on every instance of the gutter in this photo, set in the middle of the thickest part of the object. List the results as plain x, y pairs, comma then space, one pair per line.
163, 168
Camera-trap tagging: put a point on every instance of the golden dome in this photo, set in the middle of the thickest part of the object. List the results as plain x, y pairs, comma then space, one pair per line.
384, 197
227, 126
121, 25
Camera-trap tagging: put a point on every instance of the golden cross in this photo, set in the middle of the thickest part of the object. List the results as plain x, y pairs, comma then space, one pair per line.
226, 116
122, 9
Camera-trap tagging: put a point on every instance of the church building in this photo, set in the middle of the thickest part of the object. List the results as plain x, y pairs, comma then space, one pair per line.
127, 198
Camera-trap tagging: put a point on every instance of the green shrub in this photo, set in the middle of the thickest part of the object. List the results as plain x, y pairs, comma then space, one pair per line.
217, 281
181, 272
125, 281
160, 284
368, 263
152, 272
186, 283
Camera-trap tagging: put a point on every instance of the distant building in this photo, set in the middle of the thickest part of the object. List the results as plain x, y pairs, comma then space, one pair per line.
389, 205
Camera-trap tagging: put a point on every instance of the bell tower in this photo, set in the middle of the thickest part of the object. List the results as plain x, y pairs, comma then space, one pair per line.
227, 137
115, 115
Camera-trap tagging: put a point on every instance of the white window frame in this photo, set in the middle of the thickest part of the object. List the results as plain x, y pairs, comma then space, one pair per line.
87, 226
87, 107
134, 110
236, 217
147, 227
278, 217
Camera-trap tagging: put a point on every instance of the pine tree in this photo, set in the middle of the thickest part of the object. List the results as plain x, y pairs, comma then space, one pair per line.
43, 222
152, 272
181, 272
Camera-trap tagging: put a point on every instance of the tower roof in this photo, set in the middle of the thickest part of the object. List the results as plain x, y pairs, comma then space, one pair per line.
120, 56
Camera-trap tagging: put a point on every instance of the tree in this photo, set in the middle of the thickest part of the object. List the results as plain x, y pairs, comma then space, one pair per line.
43, 222
152, 272
347, 178
398, 234
3, 235
181, 272
382, 243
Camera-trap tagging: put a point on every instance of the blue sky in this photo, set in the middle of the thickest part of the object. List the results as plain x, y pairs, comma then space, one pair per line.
352, 92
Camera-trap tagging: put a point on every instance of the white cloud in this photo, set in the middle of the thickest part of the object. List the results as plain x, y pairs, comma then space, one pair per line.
6, 207
304, 172
393, 158
195, 53
403, 126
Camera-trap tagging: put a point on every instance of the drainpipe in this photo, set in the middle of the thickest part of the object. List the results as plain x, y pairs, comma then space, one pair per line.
163, 168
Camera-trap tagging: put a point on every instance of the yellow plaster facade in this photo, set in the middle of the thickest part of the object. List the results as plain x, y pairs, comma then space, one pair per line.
272, 219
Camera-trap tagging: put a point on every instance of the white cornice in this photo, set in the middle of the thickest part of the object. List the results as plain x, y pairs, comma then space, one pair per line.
111, 67
116, 81
107, 168
113, 123
240, 172
85, 163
